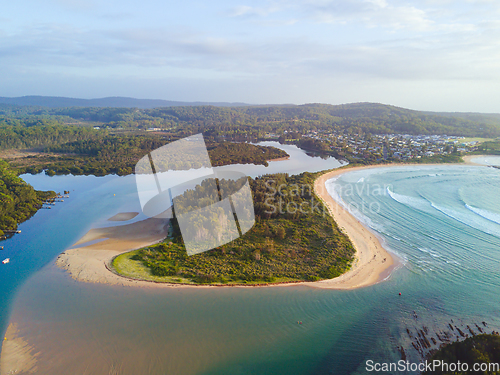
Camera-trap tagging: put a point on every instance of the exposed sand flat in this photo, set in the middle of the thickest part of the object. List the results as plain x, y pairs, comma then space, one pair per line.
468, 158
16, 355
88, 263
123, 216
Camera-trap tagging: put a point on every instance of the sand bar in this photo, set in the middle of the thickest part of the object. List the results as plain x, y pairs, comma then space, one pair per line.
89, 262
123, 216
280, 159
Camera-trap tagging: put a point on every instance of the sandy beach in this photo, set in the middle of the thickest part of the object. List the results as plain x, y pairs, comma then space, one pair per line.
468, 159
88, 259
372, 262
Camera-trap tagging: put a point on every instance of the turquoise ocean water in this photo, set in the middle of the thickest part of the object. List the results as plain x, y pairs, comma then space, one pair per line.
443, 222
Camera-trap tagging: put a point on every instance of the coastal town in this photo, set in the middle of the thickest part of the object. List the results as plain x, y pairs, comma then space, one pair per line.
381, 147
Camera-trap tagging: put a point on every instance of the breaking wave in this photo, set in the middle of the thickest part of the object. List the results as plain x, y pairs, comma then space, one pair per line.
488, 215
418, 203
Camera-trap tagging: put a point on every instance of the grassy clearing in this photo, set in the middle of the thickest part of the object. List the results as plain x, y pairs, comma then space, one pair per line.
479, 140
125, 266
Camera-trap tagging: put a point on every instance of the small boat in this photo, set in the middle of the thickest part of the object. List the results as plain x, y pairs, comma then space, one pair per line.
1, 247
5, 261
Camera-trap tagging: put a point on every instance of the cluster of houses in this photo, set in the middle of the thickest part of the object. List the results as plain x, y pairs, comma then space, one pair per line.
397, 146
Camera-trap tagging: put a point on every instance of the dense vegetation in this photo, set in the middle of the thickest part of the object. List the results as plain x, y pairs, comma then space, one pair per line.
477, 349
489, 148
286, 243
252, 122
18, 200
68, 143
243, 153
38, 133
438, 159
118, 154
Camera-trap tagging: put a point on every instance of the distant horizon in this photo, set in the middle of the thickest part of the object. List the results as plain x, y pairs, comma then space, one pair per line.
213, 103
427, 55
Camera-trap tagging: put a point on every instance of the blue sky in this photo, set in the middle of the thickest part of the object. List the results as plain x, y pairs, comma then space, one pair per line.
439, 55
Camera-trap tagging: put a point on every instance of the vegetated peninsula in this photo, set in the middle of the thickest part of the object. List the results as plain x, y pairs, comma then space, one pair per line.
18, 200
118, 154
294, 239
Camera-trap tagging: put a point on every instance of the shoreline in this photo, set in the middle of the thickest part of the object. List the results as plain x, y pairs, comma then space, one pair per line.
16, 354
89, 259
372, 262
280, 159
468, 159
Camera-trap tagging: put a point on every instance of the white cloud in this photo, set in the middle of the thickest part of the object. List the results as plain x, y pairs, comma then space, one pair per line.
451, 56
389, 15
372, 13
248, 11
310, 43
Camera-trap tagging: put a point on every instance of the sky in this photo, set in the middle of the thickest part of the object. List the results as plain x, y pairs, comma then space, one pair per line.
437, 55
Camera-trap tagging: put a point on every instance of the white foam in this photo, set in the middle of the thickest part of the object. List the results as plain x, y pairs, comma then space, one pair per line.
418, 203
432, 253
331, 188
491, 216
469, 220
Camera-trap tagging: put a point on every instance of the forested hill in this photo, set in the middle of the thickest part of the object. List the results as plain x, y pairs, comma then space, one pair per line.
258, 120
39, 133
